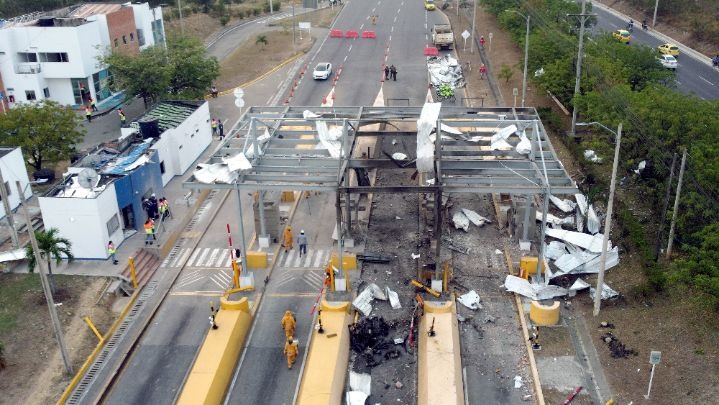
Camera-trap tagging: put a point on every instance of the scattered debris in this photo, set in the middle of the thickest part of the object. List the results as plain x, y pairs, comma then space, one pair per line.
361, 382
593, 243
563, 204
579, 285
451, 245
604, 324
398, 385
640, 168
445, 70
398, 341
617, 349
475, 218
552, 219
363, 302
414, 256
571, 396
518, 381
373, 258
470, 300
607, 292
460, 221
591, 156
534, 291
592, 220
399, 156
497, 252
393, 298
356, 398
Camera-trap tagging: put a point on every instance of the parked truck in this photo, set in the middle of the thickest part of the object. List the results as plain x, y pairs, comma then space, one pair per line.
442, 36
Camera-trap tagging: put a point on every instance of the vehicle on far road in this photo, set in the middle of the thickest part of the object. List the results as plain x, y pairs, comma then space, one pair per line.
442, 36
668, 49
622, 36
429, 5
668, 61
322, 71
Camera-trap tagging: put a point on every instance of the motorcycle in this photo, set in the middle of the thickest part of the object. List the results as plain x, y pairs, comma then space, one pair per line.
715, 62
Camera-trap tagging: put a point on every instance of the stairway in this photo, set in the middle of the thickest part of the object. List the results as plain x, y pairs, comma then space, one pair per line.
145, 265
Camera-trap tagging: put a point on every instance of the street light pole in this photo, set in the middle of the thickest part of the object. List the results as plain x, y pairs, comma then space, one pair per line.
45, 285
474, 33
654, 20
607, 226
182, 22
526, 56
582, 19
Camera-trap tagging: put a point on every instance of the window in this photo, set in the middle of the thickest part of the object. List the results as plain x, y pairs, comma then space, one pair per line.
140, 37
158, 33
113, 224
101, 81
132, 37
116, 43
77, 85
124, 40
54, 57
46, 92
30, 95
26, 57
162, 167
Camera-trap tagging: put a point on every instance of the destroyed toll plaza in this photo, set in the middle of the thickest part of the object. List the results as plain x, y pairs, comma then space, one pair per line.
405, 196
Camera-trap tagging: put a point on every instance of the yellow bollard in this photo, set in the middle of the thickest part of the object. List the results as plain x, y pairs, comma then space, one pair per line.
93, 328
235, 273
132, 271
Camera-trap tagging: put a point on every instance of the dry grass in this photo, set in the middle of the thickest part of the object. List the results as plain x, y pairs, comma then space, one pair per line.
251, 60
319, 19
196, 25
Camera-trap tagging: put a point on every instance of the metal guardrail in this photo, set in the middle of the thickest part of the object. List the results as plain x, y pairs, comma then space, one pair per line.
28, 68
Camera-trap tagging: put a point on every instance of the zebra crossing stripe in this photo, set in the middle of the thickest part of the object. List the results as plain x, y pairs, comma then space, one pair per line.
180, 257
193, 257
289, 257
213, 257
224, 254
217, 283
201, 258
318, 258
297, 261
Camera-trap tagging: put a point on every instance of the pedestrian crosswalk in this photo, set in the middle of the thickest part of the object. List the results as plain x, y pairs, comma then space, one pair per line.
314, 279
218, 278
314, 259
209, 257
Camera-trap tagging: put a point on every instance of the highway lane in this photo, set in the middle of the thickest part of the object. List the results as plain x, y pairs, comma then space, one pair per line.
692, 76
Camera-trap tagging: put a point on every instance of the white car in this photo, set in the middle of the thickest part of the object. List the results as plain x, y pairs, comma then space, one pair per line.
668, 61
322, 71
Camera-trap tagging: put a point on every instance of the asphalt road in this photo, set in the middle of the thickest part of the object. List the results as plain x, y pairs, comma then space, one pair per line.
693, 76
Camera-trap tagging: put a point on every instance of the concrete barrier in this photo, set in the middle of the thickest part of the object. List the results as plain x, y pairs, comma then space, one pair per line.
440, 366
349, 261
256, 259
544, 315
323, 377
212, 370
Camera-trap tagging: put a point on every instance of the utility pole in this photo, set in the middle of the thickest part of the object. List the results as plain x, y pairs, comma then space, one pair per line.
293, 22
676, 205
654, 20
182, 22
474, 33
664, 209
583, 17
45, 285
8, 212
607, 226
526, 56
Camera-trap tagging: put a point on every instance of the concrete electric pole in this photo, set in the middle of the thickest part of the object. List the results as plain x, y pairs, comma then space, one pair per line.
45, 285
8, 212
676, 206
607, 226
583, 17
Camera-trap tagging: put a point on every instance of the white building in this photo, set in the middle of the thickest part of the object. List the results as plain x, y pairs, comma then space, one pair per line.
13, 169
54, 55
100, 198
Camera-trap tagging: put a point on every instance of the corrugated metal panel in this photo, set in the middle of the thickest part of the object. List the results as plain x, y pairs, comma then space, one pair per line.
88, 10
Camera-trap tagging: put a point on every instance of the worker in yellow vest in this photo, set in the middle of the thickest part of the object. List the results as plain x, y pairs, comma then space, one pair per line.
288, 324
288, 239
291, 350
149, 231
111, 251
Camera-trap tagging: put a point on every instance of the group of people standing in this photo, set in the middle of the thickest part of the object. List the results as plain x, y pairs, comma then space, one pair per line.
218, 128
390, 72
155, 209
288, 241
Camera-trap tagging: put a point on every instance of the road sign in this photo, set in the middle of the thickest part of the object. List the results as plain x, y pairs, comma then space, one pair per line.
238, 92
305, 25
490, 36
465, 34
655, 357
239, 102
515, 92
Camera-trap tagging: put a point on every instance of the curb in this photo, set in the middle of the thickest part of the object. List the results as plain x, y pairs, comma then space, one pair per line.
257, 79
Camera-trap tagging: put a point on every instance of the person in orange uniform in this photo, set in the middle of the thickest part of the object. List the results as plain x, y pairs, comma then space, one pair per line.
291, 350
288, 239
288, 324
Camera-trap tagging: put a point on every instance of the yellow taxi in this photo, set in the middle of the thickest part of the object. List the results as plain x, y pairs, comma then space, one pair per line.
429, 5
622, 36
668, 49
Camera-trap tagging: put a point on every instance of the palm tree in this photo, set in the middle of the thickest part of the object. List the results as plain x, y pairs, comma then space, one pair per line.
261, 39
51, 246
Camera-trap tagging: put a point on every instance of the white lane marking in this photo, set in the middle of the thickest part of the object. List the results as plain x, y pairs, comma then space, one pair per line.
390, 37
346, 58
395, 18
391, 30
298, 259
217, 282
174, 262
318, 258
361, 27
308, 258
193, 257
228, 263
350, 49
222, 257
373, 9
288, 259
705, 80
213, 257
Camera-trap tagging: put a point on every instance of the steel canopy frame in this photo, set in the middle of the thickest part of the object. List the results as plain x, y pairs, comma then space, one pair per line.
287, 154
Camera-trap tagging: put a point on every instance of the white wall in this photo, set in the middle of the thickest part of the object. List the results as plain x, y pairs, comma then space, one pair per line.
143, 20
179, 147
13, 169
84, 222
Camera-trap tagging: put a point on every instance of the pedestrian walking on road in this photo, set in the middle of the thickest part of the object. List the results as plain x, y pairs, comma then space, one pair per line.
481, 41
88, 113
302, 242
386, 72
93, 105
288, 324
122, 116
111, 251
214, 91
221, 129
291, 350
482, 71
288, 241
393, 72
149, 231
164, 208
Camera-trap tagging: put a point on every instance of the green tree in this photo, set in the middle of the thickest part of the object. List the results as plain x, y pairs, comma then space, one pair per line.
52, 246
261, 40
146, 75
505, 72
192, 70
700, 266
46, 131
